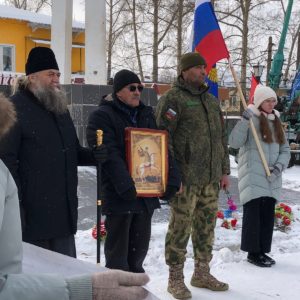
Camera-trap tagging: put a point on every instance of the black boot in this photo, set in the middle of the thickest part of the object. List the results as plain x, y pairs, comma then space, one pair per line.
258, 260
268, 258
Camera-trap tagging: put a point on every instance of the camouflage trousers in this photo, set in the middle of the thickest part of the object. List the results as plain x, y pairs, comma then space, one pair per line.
192, 213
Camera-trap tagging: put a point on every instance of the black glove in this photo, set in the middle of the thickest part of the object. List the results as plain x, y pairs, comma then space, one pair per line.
170, 192
129, 195
100, 153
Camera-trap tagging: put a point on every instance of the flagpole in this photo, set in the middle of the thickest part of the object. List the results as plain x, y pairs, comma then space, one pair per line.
260, 150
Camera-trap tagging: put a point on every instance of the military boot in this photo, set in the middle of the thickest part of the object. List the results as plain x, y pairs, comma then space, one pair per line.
203, 279
176, 285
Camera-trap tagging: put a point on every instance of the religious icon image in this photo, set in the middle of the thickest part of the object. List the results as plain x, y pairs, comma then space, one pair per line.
147, 160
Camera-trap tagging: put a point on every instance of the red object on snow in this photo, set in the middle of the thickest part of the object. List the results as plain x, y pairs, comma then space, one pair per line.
286, 221
102, 231
233, 222
287, 209
225, 224
220, 215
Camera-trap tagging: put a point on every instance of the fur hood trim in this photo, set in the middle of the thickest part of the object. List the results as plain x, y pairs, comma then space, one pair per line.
7, 115
257, 112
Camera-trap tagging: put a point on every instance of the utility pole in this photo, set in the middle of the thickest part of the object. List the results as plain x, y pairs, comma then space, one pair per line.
269, 61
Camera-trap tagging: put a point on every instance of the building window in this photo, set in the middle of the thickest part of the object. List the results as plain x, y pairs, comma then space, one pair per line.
7, 58
233, 100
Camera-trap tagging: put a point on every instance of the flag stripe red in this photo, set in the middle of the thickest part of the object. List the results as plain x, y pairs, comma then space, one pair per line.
212, 47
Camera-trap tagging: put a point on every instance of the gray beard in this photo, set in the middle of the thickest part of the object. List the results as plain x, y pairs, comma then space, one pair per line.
52, 99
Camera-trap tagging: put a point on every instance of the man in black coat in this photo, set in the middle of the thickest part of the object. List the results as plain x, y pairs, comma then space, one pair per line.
128, 217
42, 152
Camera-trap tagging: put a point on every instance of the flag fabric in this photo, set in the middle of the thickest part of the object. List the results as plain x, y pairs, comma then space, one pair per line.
254, 83
295, 91
207, 38
212, 81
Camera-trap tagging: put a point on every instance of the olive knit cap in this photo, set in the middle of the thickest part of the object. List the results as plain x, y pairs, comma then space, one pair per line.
190, 60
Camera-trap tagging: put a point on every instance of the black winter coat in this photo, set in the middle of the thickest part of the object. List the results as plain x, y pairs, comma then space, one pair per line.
42, 152
113, 117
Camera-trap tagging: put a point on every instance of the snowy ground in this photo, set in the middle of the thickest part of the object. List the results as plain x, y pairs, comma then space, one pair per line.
246, 281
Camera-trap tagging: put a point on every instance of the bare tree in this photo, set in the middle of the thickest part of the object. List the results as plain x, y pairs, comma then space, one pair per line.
116, 25
179, 32
183, 20
273, 25
32, 5
237, 16
149, 36
135, 33
162, 14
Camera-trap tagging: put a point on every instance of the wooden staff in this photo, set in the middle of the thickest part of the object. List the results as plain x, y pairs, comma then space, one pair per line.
99, 202
260, 150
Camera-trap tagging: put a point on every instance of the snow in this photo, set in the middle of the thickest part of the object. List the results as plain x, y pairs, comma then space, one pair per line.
10, 12
247, 282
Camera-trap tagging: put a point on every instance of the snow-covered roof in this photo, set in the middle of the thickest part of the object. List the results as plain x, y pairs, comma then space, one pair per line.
10, 12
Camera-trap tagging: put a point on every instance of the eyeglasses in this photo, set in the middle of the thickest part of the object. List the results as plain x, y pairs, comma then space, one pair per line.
133, 88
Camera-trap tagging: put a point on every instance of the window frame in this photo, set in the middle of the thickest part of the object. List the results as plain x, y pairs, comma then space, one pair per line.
13, 59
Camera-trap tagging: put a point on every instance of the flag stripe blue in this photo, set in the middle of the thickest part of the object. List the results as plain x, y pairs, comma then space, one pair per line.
205, 21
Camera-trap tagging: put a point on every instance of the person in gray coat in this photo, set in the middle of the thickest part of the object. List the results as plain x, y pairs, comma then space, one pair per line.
258, 192
14, 285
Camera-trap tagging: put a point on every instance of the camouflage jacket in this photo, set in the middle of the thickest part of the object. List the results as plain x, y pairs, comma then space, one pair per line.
197, 137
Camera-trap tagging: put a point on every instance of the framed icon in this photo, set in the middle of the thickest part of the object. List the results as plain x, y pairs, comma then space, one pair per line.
147, 158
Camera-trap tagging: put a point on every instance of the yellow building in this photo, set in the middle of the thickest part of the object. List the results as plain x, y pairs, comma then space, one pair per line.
21, 30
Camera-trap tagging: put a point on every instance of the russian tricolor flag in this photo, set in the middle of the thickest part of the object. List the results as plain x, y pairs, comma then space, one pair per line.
207, 35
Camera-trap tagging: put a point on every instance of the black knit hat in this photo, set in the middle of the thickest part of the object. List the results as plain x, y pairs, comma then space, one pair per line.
123, 78
40, 59
190, 60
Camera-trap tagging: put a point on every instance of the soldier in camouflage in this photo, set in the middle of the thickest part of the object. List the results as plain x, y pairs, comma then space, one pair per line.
198, 141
